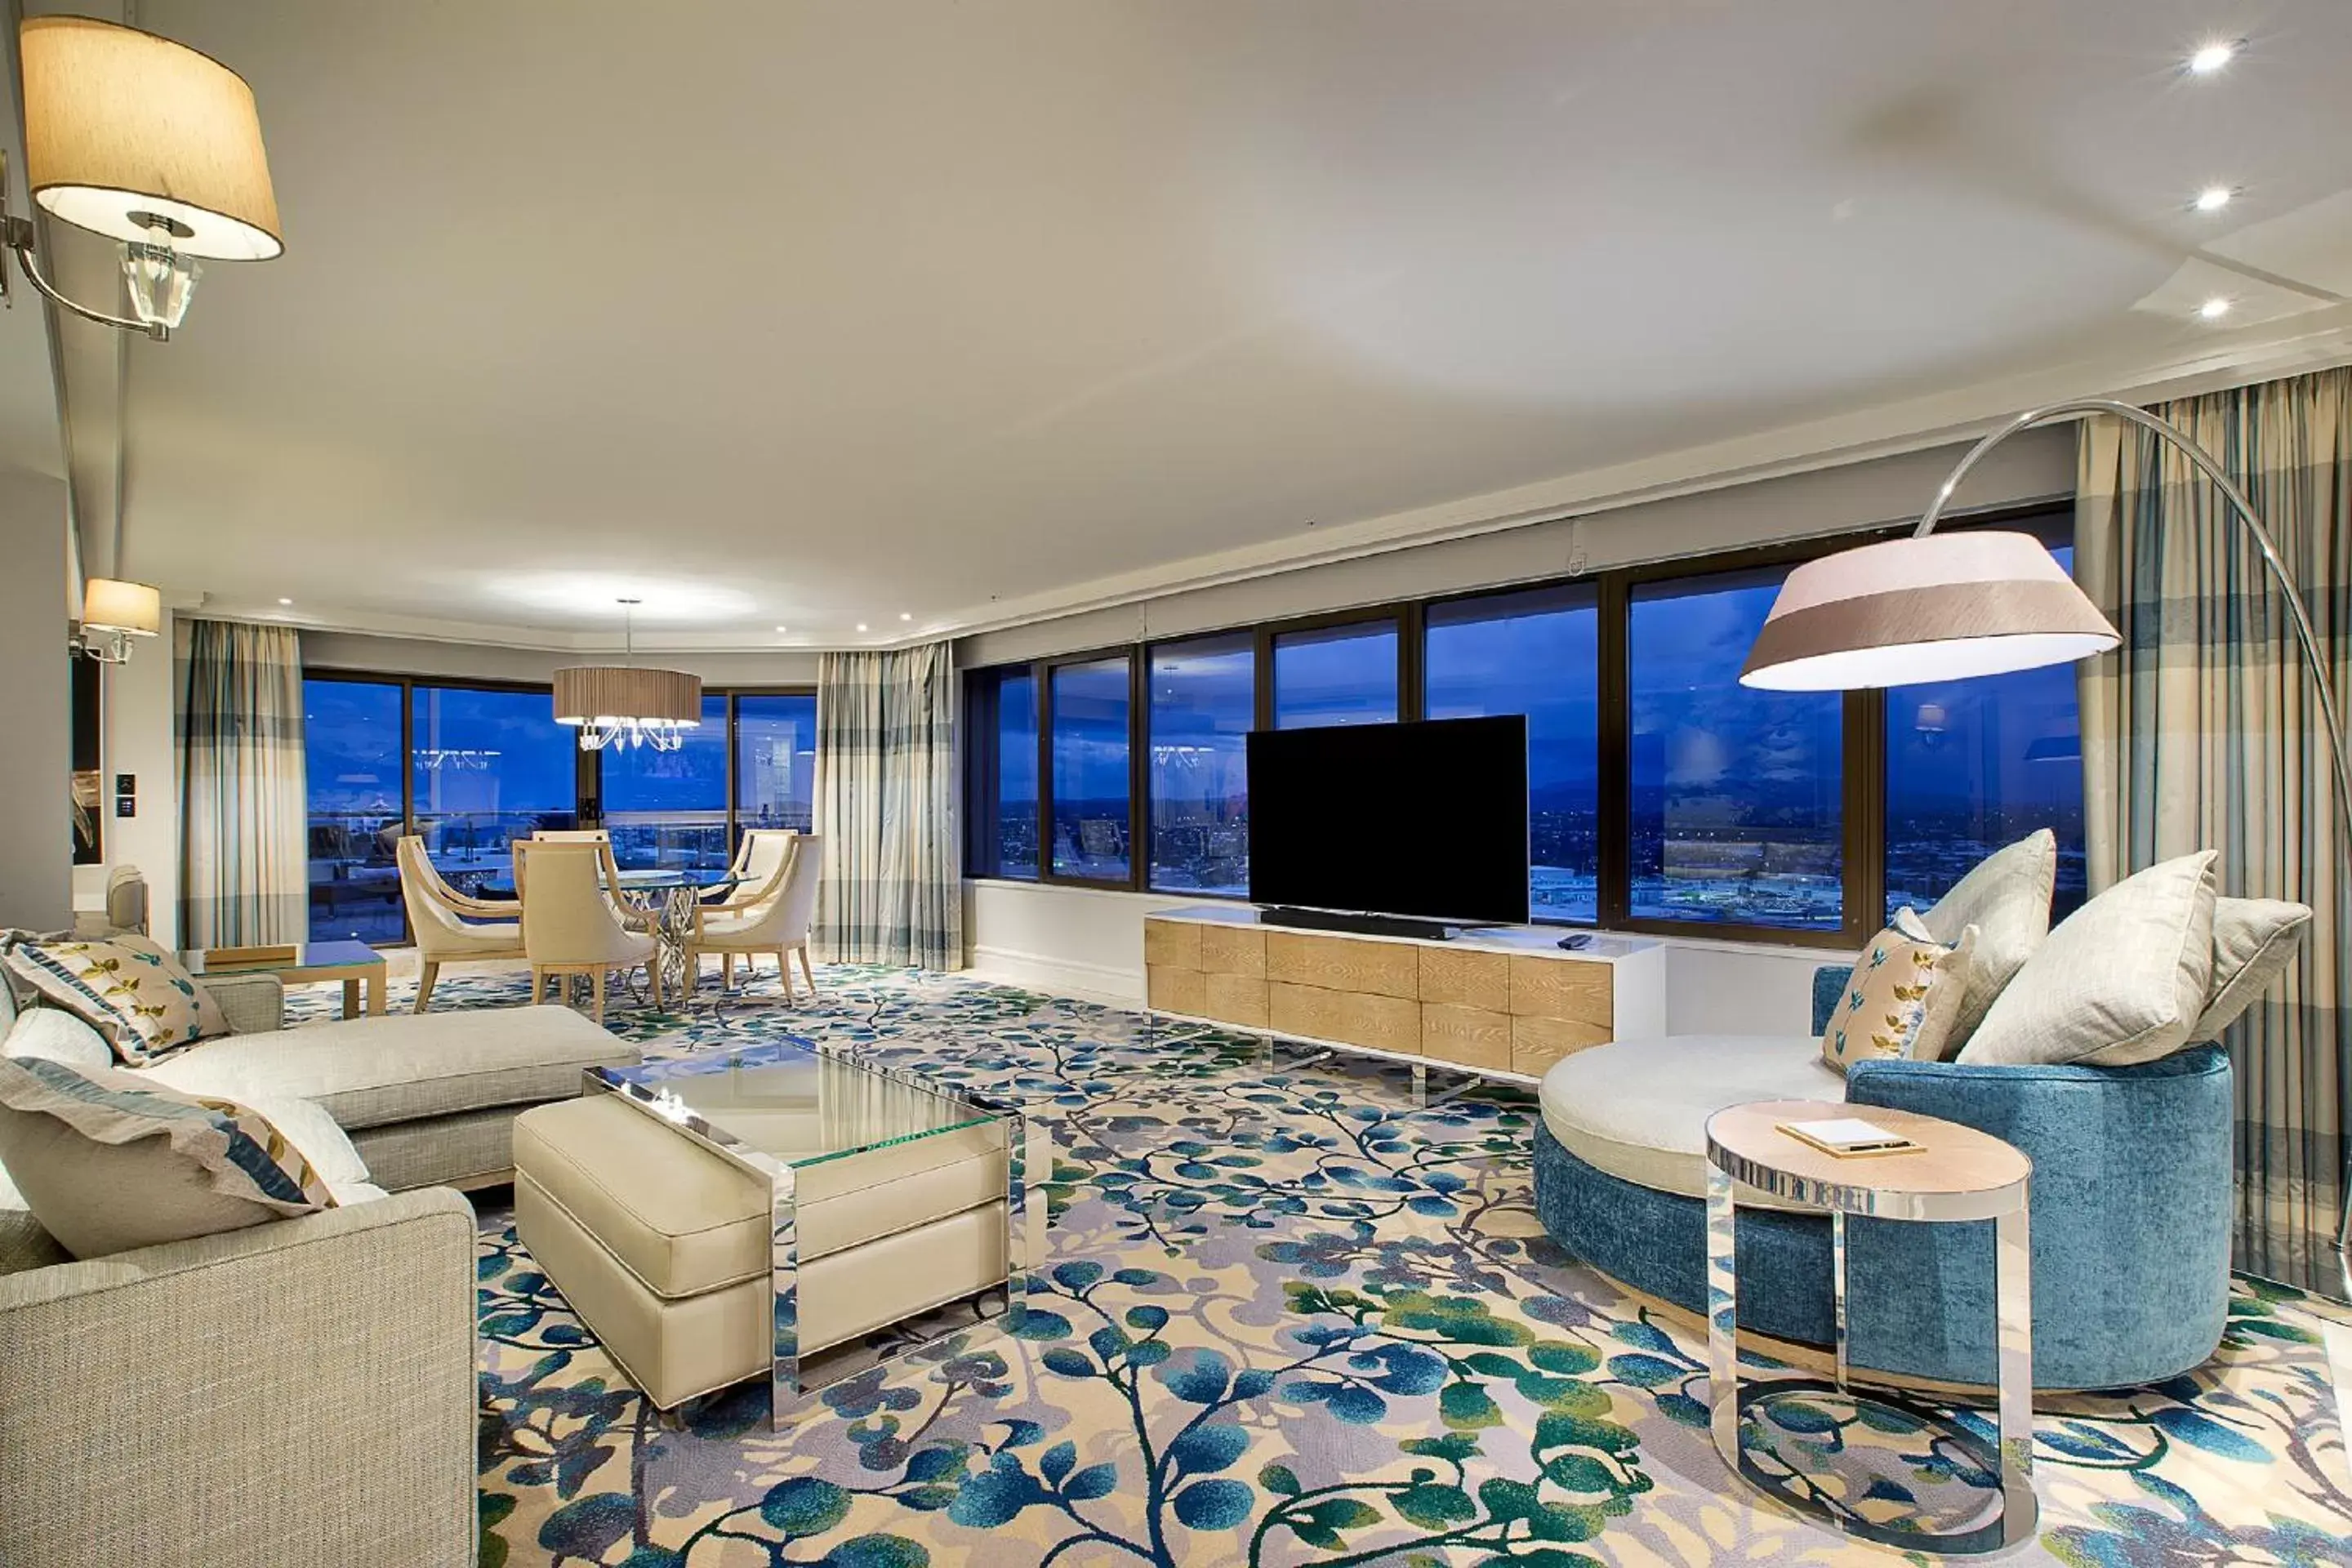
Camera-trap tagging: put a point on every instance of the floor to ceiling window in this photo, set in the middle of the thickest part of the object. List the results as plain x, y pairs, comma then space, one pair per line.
1974, 764
1736, 797
1663, 795
668, 810
1202, 700
1536, 653
351, 756
486, 767
1335, 675
1090, 704
775, 761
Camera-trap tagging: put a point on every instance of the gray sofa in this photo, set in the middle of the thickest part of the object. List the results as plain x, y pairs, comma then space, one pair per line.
326, 1363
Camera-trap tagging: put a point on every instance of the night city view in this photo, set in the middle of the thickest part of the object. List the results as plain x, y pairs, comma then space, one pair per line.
1736, 797
486, 767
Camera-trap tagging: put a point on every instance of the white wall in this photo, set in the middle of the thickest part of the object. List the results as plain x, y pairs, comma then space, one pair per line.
1088, 943
140, 741
36, 718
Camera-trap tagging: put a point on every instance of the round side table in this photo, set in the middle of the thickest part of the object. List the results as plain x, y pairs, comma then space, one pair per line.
1956, 1174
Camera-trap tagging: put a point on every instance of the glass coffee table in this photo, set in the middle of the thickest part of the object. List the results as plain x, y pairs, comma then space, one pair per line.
811, 1122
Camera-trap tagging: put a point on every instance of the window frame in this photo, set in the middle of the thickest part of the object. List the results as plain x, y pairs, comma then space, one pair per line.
587, 775
1861, 732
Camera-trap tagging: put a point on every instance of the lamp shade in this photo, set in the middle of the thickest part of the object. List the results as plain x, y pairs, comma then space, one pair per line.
121, 125
108, 605
1943, 607
602, 694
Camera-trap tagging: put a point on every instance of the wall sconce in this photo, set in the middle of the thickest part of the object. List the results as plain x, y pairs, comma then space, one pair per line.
112, 613
148, 143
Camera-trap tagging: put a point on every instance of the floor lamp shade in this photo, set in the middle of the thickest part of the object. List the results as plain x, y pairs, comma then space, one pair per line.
122, 127
1941, 606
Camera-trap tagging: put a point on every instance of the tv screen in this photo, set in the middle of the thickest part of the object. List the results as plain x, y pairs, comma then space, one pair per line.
1428, 819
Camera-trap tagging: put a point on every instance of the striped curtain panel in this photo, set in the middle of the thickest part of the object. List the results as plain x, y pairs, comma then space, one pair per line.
2202, 733
244, 841
886, 806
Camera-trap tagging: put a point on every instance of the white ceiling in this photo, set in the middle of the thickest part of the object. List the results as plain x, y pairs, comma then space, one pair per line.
813, 315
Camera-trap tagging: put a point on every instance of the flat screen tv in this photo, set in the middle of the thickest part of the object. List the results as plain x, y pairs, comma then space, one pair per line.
1426, 820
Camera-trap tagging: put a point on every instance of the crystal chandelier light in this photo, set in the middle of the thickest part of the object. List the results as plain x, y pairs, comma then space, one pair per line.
622, 705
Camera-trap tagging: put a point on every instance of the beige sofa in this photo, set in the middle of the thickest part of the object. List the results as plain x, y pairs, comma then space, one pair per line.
327, 1360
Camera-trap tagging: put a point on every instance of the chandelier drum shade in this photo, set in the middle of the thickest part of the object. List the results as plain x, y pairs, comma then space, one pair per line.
624, 705
1939, 606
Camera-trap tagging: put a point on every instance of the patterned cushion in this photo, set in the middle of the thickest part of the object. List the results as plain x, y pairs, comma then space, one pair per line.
2121, 981
108, 1162
131, 990
1902, 997
2007, 898
2253, 939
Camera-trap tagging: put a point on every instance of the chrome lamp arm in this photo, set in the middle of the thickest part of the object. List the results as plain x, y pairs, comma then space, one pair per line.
18, 234
2298, 612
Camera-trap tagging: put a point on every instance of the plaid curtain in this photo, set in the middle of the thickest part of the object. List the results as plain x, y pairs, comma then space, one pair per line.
244, 842
2200, 731
886, 805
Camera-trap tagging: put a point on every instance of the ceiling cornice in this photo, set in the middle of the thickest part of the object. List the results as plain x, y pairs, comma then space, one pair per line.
2317, 340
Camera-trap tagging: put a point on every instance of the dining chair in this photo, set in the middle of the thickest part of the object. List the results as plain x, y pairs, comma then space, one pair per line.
446, 926
773, 916
635, 919
757, 854
571, 924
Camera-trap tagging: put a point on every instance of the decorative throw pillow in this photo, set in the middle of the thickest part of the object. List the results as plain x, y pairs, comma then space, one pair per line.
57, 1034
2121, 981
2007, 897
1901, 996
108, 1162
130, 989
2254, 941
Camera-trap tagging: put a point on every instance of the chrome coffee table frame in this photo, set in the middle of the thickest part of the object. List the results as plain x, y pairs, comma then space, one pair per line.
2006, 1204
1028, 1163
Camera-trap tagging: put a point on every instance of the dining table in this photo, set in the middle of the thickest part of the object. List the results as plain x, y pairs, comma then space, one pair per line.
667, 897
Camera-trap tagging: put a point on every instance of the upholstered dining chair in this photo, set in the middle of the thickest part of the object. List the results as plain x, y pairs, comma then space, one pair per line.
571, 924
635, 919
758, 857
447, 926
772, 916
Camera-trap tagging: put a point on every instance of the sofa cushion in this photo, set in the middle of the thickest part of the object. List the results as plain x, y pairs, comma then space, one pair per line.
56, 1036
2254, 941
2007, 897
1901, 998
369, 1072
108, 1161
130, 989
683, 1220
2121, 981
1637, 1110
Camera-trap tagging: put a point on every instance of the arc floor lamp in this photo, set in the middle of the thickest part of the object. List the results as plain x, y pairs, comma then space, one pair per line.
1947, 606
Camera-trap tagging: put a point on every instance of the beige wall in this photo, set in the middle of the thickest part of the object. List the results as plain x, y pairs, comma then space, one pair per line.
478, 661
35, 733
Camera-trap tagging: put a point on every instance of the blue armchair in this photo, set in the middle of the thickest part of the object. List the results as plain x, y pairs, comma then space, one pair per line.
2130, 1227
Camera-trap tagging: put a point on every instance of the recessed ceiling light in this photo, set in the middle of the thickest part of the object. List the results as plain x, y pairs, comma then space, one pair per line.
783, 628
905, 616
2211, 57
285, 601
2214, 198
861, 626
2213, 310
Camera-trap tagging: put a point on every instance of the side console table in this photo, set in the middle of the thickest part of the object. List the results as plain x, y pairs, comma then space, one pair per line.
1956, 1174
1499, 1000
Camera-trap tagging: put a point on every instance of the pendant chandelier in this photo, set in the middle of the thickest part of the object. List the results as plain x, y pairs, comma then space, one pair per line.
621, 705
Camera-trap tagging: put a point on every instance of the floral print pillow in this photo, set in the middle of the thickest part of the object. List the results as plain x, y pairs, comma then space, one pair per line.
127, 988
1902, 998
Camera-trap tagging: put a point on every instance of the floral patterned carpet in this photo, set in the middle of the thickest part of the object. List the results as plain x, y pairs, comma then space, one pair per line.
1291, 1318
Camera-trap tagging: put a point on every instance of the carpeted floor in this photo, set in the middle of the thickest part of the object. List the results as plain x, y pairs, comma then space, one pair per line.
1291, 1320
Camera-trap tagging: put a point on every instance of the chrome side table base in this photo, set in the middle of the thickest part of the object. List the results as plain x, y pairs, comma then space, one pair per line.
1733, 1408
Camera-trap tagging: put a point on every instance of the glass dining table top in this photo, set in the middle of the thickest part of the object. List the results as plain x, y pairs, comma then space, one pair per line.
499, 884
796, 1105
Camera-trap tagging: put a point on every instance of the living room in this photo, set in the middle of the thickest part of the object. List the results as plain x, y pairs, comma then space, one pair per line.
1184, 782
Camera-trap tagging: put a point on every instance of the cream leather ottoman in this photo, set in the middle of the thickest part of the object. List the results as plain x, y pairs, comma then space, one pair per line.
664, 1247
